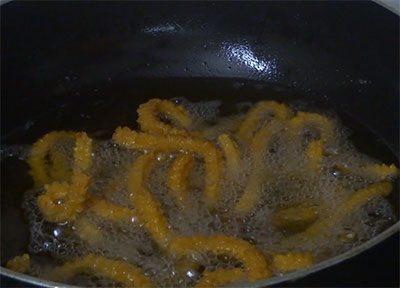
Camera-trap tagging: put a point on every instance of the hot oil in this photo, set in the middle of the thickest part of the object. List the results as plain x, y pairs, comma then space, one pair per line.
292, 185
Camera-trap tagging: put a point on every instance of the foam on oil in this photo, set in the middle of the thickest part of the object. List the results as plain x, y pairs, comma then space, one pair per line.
288, 182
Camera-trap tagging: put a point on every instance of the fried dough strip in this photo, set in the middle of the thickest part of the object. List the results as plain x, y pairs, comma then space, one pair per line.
38, 154
118, 271
147, 207
232, 154
212, 157
149, 118
110, 211
382, 171
178, 178
253, 259
284, 263
251, 122
221, 277
357, 200
314, 151
62, 201
19, 264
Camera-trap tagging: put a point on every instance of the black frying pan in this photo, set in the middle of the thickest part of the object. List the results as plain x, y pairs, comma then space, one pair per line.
87, 65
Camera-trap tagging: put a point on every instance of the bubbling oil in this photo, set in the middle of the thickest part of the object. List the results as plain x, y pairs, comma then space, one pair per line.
287, 182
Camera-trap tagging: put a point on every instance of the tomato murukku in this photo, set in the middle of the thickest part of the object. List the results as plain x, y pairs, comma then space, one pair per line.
253, 259
62, 201
148, 209
285, 263
232, 154
357, 200
149, 118
37, 158
167, 143
19, 264
178, 178
221, 277
119, 271
256, 114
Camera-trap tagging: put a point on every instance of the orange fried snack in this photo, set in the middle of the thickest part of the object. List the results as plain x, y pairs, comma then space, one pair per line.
254, 117
88, 232
147, 207
212, 157
314, 151
357, 200
62, 201
110, 211
150, 122
381, 171
19, 264
178, 178
284, 263
252, 258
38, 154
119, 271
232, 154
221, 277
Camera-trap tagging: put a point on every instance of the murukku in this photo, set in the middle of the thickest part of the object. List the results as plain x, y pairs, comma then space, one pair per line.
284, 263
254, 117
294, 218
19, 264
88, 232
381, 171
110, 211
119, 271
253, 259
37, 158
232, 154
221, 277
212, 157
149, 211
62, 201
178, 178
149, 118
357, 200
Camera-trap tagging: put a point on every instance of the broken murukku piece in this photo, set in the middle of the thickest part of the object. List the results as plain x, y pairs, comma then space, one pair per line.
167, 143
19, 264
253, 259
285, 263
148, 209
178, 178
254, 117
221, 277
88, 232
119, 271
149, 118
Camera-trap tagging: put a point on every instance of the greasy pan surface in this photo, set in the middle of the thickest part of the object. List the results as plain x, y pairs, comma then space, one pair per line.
68, 65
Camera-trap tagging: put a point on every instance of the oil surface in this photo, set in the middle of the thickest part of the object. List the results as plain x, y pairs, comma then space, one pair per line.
54, 243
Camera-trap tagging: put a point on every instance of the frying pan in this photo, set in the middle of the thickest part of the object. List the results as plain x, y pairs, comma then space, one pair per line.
87, 65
